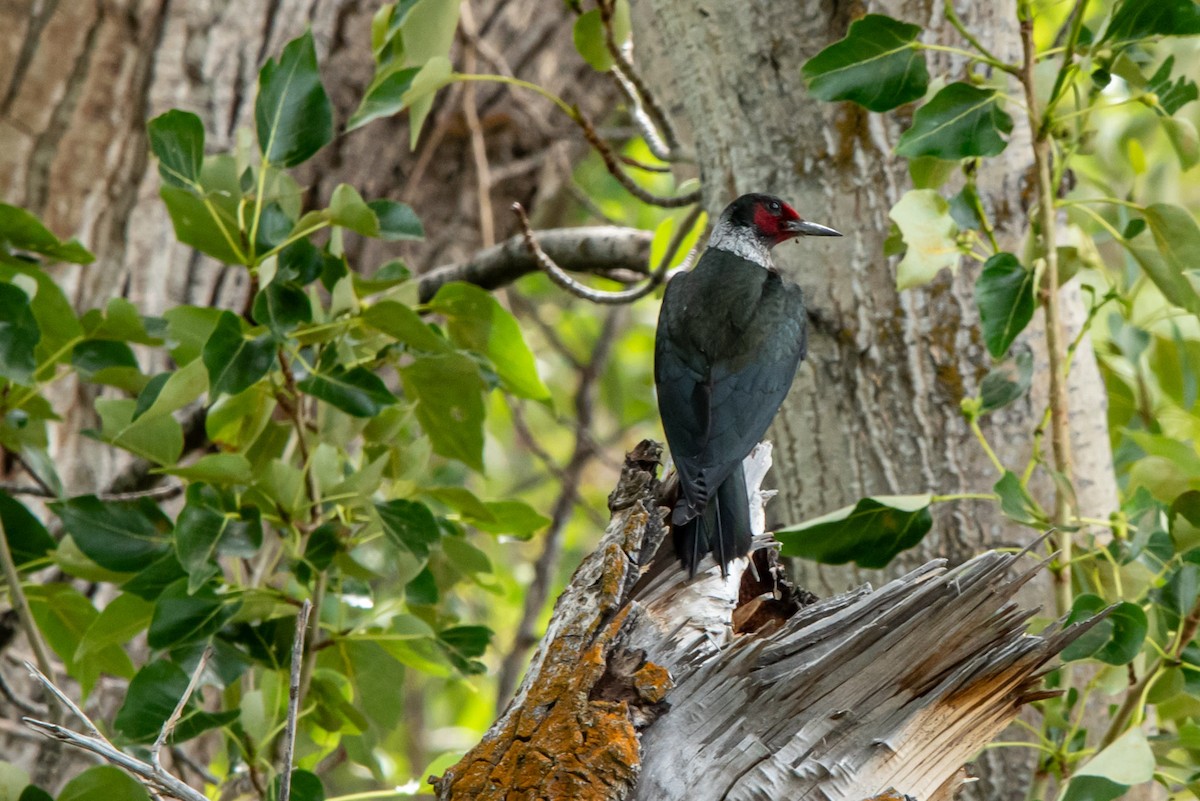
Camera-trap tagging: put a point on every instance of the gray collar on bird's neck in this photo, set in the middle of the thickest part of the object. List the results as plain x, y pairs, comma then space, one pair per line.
742, 242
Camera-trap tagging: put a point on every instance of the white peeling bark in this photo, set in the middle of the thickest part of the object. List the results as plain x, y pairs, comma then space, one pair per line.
875, 408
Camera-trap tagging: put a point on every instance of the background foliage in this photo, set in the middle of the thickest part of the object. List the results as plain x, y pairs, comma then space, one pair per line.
341, 440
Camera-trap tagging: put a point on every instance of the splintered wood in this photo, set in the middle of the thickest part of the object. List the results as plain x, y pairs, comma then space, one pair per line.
642, 690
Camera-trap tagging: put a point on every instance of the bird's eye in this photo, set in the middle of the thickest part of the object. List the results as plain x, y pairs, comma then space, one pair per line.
774, 206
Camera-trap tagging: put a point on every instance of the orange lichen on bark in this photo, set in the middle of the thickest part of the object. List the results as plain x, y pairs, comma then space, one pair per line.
564, 743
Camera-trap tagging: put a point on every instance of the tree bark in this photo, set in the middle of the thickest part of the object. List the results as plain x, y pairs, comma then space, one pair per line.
654, 685
875, 409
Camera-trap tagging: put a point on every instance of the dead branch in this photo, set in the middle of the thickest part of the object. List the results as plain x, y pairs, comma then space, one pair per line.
649, 685
594, 249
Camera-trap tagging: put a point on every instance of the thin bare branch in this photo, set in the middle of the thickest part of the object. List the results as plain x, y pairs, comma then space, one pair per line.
26, 706
289, 733
51, 688
483, 172
168, 728
613, 164
591, 249
20, 604
647, 114
565, 281
157, 780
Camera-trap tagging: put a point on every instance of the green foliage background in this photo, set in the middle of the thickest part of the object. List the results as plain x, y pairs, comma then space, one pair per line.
363, 449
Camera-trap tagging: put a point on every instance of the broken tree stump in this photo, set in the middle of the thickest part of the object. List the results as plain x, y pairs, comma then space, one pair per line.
651, 685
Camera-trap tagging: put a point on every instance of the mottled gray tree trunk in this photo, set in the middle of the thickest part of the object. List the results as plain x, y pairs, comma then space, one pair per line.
875, 409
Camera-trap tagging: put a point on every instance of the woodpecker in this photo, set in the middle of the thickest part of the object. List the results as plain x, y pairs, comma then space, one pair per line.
731, 333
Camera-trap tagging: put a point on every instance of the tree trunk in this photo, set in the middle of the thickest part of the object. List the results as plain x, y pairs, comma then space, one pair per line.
875, 409
640, 689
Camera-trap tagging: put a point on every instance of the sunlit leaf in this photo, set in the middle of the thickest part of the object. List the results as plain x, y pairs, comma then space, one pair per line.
930, 234
103, 783
449, 394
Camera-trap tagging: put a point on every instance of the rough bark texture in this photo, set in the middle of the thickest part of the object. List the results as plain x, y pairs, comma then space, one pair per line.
875, 407
657, 688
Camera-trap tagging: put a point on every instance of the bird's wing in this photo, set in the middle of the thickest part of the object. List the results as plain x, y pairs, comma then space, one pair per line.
682, 378
715, 410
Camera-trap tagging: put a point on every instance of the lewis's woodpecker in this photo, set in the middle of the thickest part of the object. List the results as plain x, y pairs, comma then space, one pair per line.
731, 334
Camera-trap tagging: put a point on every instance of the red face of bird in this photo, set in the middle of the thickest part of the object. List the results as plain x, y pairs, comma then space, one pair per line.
773, 220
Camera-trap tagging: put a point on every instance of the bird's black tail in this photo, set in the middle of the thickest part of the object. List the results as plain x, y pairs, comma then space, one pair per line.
722, 529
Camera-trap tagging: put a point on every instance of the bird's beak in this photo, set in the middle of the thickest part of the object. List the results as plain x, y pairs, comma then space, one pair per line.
806, 228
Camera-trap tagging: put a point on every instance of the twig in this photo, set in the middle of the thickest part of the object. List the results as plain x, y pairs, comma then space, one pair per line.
168, 728
591, 249
162, 493
20, 604
483, 174
50, 687
289, 733
1060, 432
614, 167
560, 277
546, 566
159, 780
647, 113
26, 706
36, 478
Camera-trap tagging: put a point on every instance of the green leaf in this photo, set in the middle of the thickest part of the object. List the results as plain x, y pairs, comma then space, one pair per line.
930, 233
449, 394
869, 533
1006, 382
150, 582
384, 97
196, 226
151, 698
63, 616
405, 325
183, 617
1005, 296
207, 528
104, 361
1138, 19
1184, 139
478, 322
428, 28
118, 623
158, 438
235, 363
171, 391
347, 209
177, 138
1093, 788
515, 518
397, 221
1172, 95
878, 65
305, 786
215, 468
463, 644
357, 392
292, 114
436, 73
28, 540
588, 34
409, 525
1128, 761
19, 335
13, 780
54, 314
281, 306
188, 328
1116, 640
118, 535
22, 231
1178, 239
1016, 503
103, 783
961, 121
